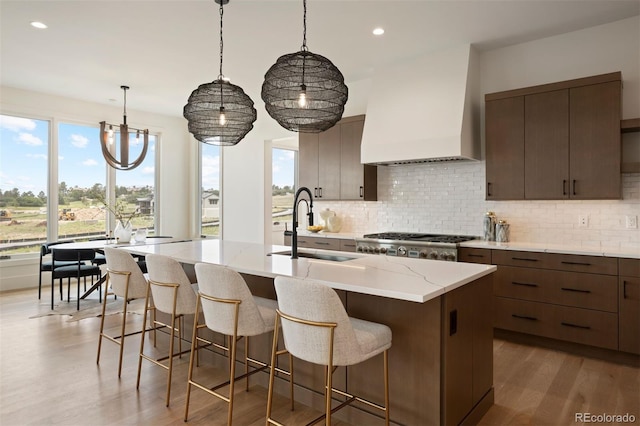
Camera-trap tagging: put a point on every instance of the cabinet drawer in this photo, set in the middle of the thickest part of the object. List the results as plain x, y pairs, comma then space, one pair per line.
560, 262
589, 291
629, 267
520, 258
319, 243
577, 325
522, 316
474, 255
348, 245
589, 264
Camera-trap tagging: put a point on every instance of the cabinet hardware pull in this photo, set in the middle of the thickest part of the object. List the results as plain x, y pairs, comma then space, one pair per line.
475, 255
524, 317
576, 263
315, 192
525, 259
320, 192
574, 187
488, 189
568, 324
524, 284
361, 191
624, 289
564, 187
321, 243
453, 322
577, 290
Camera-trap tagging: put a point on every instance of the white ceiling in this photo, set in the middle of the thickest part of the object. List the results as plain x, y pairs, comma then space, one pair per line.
164, 49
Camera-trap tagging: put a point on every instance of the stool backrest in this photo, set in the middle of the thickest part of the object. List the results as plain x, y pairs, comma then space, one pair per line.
165, 270
228, 285
122, 267
314, 302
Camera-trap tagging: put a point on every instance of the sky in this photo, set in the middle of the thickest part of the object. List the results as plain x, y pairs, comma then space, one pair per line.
24, 145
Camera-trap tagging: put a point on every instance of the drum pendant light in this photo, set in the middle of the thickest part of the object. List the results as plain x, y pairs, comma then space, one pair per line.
303, 91
220, 113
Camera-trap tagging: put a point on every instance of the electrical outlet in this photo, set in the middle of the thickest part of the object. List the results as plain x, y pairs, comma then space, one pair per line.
632, 222
583, 221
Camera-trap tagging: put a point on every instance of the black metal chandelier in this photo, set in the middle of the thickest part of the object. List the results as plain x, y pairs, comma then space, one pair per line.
107, 141
303, 91
220, 113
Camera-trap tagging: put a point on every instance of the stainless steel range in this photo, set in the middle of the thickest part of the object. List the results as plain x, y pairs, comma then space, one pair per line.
419, 246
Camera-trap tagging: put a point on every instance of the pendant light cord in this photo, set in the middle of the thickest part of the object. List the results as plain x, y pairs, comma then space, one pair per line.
221, 42
304, 26
221, 76
124, 114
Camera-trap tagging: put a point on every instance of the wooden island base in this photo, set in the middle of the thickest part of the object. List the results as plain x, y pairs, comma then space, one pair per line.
440, 362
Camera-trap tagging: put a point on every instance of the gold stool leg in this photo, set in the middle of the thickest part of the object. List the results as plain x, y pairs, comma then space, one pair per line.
386, 387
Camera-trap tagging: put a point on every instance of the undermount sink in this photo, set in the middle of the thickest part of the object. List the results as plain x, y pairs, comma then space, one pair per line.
319, 256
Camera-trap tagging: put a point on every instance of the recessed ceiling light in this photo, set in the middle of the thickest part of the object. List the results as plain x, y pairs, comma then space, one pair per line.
39, 25
378, 31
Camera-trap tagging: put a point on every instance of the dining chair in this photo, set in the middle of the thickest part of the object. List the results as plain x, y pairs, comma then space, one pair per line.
172, 294
230, 309
125, 280
46, 264
317, 329
77, 269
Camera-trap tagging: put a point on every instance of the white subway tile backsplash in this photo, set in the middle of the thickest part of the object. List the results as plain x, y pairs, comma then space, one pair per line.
449, 198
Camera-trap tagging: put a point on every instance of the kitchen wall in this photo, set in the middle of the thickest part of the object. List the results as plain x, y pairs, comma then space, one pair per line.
450, 198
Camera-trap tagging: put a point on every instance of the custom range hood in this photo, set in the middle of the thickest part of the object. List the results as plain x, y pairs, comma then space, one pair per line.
424, 110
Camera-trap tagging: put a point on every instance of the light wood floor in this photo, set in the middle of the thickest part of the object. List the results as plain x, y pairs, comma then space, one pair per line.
48, 375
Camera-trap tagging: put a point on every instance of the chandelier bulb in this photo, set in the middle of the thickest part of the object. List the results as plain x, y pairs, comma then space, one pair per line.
302, 98
223, 117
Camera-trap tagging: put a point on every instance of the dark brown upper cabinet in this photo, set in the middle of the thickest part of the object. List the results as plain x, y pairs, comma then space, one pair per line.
329, 163
555, 141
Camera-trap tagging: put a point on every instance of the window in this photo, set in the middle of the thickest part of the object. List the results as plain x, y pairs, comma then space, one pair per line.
24, 146
282, 190
84, 179
137, 186
210, 190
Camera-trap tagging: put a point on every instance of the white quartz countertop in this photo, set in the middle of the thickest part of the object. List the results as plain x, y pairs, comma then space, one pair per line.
414, 280
598, 250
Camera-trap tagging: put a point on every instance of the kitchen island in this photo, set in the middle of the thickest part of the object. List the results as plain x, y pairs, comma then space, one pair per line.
441, 360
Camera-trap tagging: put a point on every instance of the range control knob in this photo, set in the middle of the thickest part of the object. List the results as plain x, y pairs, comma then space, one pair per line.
450, 257
402, 251
377, 249
359, 248
423, 254
433, 255
383, 250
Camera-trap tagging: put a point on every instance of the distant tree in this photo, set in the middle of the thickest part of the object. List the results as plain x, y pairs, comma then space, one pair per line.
42, 196
29, 201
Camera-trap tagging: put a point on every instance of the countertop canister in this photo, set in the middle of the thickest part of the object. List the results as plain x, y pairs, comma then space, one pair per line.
489, 226
502, 231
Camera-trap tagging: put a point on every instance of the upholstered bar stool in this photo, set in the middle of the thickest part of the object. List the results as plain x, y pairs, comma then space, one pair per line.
172, 294
317, 329
229, 308
125, 280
